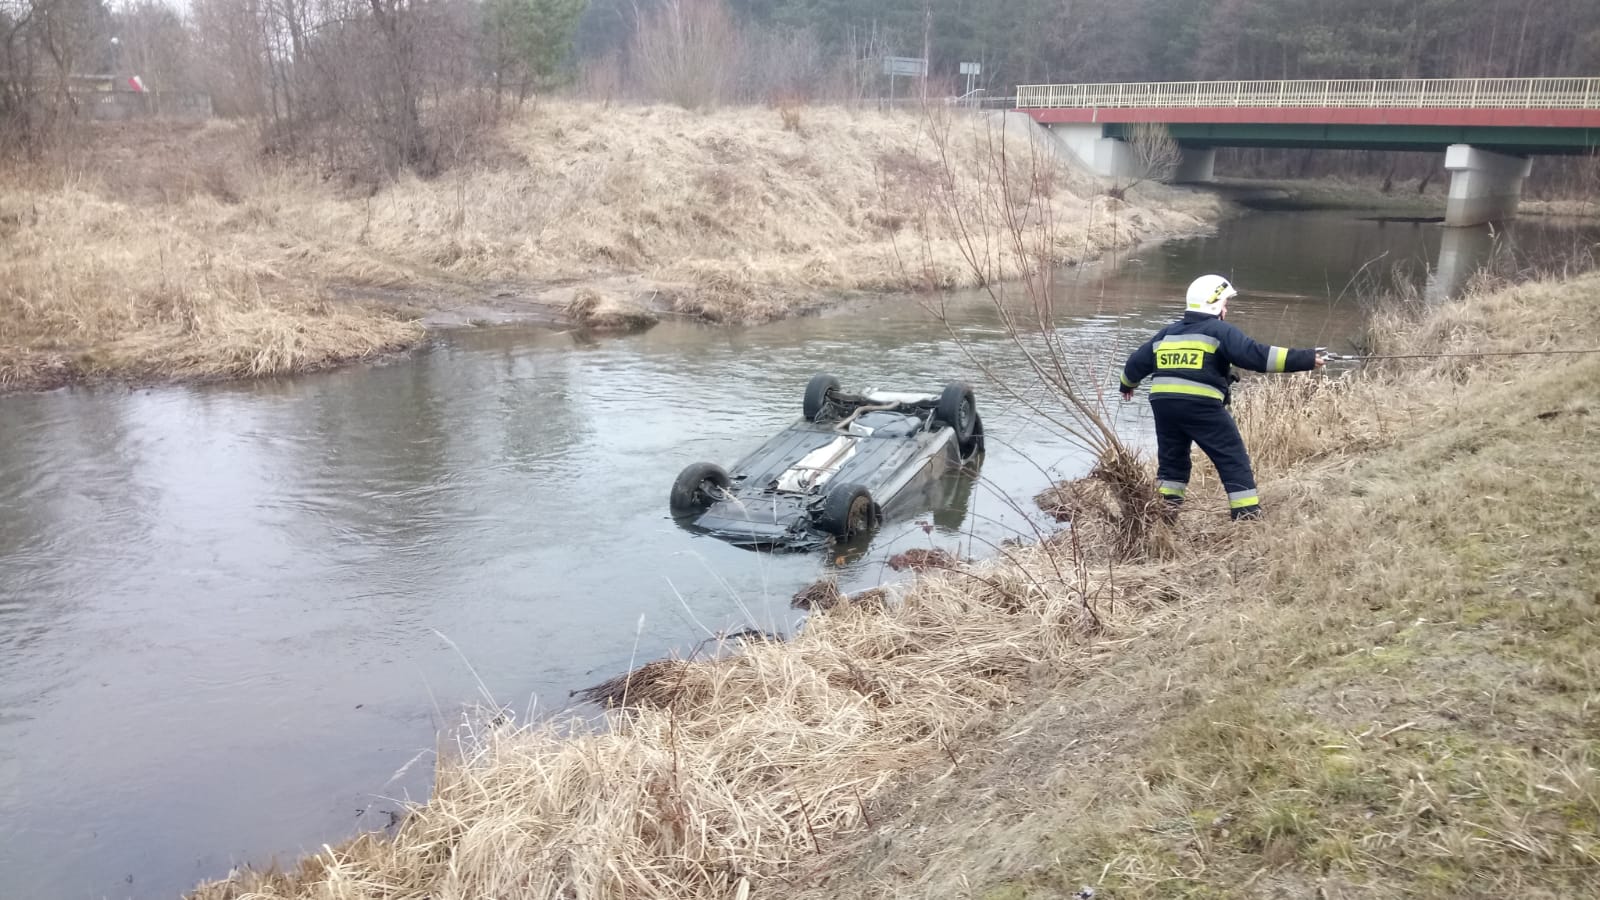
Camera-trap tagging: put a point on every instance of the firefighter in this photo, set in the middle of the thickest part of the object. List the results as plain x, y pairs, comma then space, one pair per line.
1192, 360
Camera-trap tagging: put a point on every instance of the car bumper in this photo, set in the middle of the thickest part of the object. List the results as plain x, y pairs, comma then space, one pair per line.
780, 522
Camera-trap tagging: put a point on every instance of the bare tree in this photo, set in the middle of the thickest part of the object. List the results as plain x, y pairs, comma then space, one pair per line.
1001, 215
364, 86
1155, 156
43, 45
156, 44
681, 50
857, 72
231, 55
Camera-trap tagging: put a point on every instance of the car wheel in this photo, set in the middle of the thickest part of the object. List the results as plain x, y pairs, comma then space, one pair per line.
959, 410
818, 392
847, 511
697, 487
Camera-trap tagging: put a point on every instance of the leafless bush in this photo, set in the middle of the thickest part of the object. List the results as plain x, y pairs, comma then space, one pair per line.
681, 50
696, 54
392, 87
783, 66
789, 114
1155, 157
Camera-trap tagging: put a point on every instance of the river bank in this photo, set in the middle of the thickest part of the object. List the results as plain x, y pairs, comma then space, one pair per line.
1295, 195
1383, 693
157, 252
1408, 200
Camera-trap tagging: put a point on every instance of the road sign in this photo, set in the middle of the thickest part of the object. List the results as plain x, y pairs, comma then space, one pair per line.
971, 70
905, 65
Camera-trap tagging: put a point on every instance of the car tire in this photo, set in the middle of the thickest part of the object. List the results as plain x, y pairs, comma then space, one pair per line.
696, 488
847, 511
817, 398
958, 409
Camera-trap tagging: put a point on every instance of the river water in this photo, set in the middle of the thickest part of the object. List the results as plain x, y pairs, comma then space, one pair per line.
236, 619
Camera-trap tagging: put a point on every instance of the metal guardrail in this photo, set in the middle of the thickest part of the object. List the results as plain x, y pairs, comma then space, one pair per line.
917, 103
116, 106
1401, 93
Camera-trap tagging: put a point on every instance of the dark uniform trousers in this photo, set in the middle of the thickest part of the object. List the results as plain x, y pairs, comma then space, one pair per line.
1181, 420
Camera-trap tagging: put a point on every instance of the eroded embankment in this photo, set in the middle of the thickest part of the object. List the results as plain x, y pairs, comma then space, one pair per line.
1386, 689
156, 252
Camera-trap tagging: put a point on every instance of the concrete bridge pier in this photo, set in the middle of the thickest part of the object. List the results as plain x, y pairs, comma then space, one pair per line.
1104, 156
1111, 157
1484, 186
1462, 252
1197, 164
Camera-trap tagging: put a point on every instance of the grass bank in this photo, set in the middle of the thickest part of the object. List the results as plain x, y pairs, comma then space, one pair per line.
157, 251
1387, 689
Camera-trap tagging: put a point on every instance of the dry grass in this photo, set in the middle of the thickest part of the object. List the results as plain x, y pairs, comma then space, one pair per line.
91, 287
1385, 690
180, 252
1290, 421
725, 770
731, 200
1581, 208
604, 312
825, 596
1113, 513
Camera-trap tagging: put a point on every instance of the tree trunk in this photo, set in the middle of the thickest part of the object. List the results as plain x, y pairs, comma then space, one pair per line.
406, 124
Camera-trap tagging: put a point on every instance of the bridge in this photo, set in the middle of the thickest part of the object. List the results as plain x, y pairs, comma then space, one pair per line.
1487, 128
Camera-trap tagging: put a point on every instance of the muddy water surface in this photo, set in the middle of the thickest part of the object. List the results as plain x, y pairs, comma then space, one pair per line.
235, 619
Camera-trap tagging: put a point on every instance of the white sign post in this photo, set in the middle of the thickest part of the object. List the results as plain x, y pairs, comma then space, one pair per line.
971, 70
895, 66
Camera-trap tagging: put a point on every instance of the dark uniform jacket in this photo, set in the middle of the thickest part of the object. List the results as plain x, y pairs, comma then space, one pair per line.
1192, 359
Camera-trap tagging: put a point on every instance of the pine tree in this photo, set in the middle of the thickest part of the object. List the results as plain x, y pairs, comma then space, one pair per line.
528, 42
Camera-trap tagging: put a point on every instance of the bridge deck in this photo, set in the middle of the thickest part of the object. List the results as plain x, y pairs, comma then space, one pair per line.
1515, 115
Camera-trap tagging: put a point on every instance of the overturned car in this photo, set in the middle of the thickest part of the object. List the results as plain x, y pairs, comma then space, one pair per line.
831, 475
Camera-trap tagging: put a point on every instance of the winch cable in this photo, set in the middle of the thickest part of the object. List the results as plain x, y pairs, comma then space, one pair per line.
1342, 357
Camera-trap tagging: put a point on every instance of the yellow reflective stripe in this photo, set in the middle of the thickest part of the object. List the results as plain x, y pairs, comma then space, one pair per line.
1202, 346
1126, 383
1277, 358
1197, 390
1241, 499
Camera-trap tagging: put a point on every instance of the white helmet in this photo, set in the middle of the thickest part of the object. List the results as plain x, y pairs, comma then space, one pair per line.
1208, 293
